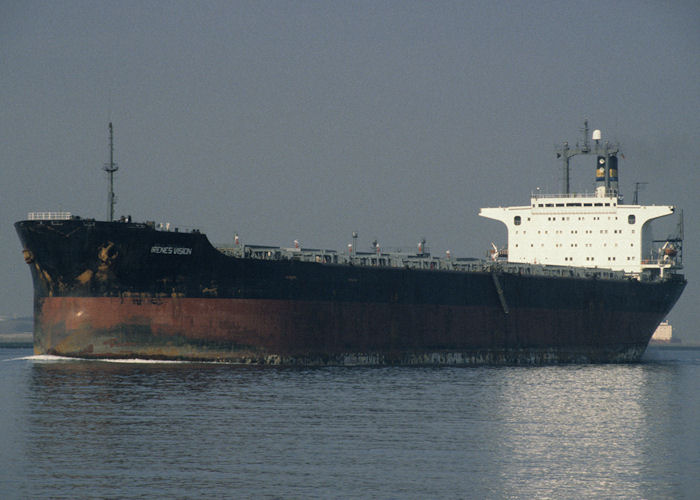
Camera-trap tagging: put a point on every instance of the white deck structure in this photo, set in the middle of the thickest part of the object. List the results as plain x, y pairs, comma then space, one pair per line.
592, 230
579, 230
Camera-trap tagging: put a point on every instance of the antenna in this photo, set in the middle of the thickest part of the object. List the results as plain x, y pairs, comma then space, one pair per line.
586, 145
110, 168
566, 152
637, 187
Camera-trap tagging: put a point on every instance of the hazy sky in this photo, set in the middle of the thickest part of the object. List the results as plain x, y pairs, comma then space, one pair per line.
309, 120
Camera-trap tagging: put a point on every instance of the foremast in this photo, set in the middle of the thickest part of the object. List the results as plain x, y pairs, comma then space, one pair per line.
111, 168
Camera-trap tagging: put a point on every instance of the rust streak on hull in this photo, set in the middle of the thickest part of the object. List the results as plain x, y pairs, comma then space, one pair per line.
291, 332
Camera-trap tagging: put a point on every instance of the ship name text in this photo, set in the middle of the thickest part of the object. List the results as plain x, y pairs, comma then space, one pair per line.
167, 250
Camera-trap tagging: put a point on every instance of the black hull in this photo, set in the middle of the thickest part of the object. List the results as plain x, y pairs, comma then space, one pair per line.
127, 290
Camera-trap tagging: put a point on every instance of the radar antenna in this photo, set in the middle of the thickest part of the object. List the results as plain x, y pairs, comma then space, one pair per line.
565, 152
110, 168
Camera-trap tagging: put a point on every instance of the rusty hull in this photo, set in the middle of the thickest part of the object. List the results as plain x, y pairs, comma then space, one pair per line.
316, 333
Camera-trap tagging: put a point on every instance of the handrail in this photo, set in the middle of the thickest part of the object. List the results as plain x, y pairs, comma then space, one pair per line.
572, 195
48, 215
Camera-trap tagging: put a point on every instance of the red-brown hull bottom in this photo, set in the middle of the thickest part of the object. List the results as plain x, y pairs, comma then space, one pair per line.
318, 333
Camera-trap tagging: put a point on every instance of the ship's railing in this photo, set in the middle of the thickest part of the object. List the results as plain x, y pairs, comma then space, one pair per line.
168, 227
662, 262
49, 216
538, 195
416, 261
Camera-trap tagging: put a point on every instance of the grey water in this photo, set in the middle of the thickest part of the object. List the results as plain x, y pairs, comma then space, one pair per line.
97, 429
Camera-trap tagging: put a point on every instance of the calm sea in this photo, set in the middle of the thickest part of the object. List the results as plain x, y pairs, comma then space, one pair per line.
96, 429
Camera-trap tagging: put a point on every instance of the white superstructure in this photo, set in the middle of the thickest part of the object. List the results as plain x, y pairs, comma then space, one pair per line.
586, 230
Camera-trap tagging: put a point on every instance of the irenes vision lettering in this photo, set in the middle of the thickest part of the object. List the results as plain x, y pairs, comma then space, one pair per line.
167, 250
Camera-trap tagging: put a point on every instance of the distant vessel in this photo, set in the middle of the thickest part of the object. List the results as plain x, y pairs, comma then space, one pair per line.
573, 285
664, 334
15, 331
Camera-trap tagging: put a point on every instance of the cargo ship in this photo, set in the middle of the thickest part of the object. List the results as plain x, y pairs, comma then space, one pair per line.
578, 282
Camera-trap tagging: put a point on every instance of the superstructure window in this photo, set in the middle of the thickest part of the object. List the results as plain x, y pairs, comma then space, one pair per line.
631, 219
516, 220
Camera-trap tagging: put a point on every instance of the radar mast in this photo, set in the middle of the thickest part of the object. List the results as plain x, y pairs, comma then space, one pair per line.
607, 168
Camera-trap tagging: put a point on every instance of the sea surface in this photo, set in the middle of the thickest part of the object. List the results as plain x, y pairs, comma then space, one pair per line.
98, 429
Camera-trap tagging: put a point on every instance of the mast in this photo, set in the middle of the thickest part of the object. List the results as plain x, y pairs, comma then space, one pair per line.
566, 152
607, 158
110, 168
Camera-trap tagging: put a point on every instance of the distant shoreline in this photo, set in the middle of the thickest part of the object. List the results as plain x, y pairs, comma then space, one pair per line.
18, 339
673, 346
